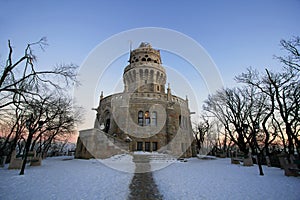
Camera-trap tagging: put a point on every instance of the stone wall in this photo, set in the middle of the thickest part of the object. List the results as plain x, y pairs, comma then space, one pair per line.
94, 143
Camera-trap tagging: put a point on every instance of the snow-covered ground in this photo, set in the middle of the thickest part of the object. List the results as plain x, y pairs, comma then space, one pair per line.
218, 179
61, 178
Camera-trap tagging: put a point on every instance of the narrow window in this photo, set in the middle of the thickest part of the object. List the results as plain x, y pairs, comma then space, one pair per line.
107, 125
154, 118
147, 118
157, 88
147, 146
139, 146
179, 120
140, 118
154, 146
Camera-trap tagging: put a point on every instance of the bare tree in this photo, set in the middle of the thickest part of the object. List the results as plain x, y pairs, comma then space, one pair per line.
287, 91
202, 129
283, 91
291, 62
60, 118
28, 94
19, 78
226, 106
49, 118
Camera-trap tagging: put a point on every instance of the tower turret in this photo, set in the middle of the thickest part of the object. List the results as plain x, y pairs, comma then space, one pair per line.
144, 72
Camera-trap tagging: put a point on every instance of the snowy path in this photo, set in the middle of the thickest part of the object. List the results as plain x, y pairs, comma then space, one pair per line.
218, 179
142, 186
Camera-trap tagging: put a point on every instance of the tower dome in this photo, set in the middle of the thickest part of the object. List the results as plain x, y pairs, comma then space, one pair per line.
144, 72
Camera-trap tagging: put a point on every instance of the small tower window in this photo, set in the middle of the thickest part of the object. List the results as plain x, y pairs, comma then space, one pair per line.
157, 88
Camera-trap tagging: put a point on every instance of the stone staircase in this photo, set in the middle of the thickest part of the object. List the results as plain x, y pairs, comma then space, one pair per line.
162, 158
150, 162
153, 157
141, 158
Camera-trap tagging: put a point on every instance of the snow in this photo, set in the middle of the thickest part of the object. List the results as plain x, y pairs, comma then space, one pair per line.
218, 179
145, 153
121, 162
62, 178
206, 157
67, 178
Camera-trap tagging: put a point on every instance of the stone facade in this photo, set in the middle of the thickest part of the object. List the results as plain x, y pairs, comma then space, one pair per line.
144, 117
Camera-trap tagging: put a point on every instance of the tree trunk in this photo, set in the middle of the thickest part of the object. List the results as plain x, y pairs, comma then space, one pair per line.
27, 147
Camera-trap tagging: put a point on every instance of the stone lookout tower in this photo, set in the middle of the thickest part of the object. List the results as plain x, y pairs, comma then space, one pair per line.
144, 117
145, 72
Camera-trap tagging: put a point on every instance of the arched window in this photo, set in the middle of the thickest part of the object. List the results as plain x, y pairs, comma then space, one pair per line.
147, 118
154, 118
140, 118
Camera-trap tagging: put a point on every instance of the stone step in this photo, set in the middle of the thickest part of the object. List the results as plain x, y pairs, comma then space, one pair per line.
152, 157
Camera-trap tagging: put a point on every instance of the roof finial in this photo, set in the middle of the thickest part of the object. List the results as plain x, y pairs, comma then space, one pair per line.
145, 44
130, 45
169, 93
